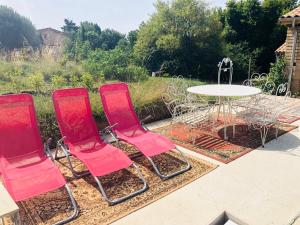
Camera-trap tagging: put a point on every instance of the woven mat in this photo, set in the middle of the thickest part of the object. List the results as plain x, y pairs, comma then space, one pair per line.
288, 118
213, 144
51, 207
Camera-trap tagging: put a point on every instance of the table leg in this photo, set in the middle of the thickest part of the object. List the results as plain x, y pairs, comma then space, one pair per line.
225, 120
230, 110
219, 107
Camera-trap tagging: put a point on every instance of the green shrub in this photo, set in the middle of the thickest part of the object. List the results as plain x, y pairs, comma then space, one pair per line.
17, 84
87, 81
58, 81
5, 71
277, 72
131, 73
36, 81
74, 80
110, 72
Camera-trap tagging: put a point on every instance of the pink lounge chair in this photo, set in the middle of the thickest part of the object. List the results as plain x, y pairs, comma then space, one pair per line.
126, 126
26, 170
82, 140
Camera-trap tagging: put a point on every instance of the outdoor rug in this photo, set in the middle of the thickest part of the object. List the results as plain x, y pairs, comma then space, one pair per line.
51, 207
213, 144
288, 118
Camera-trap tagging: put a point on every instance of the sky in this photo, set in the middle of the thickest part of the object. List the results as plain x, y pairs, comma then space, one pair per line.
121, 15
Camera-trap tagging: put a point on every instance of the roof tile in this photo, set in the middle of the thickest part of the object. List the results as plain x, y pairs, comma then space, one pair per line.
294, 13
282, 48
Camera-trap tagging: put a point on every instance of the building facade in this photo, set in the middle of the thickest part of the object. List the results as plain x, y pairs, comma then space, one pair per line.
291, 48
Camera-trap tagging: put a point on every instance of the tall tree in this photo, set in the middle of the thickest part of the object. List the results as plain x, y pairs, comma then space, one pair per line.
69, 27
88, 37
251, 31
181, 37
132, 37
82, 39
16, 30
109, 39
90, 33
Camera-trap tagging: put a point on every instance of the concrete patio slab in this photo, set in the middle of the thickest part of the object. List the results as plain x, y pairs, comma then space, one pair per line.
260, 188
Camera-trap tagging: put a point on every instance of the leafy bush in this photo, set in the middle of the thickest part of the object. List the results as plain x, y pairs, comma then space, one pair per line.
17, 81
277, 72
87, 81
131, 73
58, 81
36, 81
74, 80
113, 65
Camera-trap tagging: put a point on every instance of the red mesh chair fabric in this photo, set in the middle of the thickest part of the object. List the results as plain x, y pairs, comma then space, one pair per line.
119, 110
76, 123
26, 170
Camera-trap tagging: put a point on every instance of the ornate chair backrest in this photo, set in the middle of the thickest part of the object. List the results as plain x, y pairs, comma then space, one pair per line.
268, 87
247, 82
255, 76
282, 89
225, 65
282, 98
176, 89
262, 75
169, 102
258, 79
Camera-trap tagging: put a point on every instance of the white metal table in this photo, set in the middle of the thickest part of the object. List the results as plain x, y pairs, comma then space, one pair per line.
224, 92
8, 207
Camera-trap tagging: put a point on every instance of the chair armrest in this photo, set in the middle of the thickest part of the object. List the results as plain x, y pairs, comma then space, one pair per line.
60, 142
108, 129
146, 118
143, 120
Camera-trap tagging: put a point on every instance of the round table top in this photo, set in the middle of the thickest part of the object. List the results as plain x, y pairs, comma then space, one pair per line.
226, 90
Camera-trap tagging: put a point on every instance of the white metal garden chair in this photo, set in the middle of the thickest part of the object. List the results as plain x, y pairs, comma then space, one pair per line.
225, 66
186, 108
242, 103
265, 113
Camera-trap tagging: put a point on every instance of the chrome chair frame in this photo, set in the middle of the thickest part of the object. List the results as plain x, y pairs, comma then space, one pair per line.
61, 145
162, 176
71, 197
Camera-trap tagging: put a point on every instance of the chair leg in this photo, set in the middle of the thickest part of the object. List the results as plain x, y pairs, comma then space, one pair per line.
123, 198
213, 127
115, 139
75, 173
219, 109
263, 135
167, 176
190, 129
75, 208
233, 130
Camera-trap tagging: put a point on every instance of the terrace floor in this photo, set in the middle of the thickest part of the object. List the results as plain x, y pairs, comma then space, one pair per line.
260, 188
